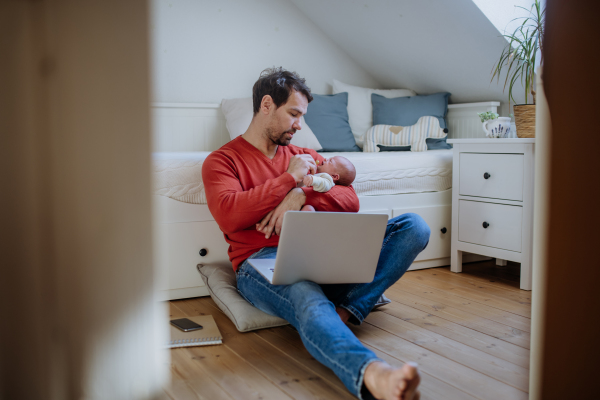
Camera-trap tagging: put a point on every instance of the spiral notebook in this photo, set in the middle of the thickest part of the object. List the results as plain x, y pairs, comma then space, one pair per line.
209, 335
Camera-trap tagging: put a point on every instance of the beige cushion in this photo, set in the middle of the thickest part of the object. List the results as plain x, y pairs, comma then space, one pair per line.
238, 115
221, 284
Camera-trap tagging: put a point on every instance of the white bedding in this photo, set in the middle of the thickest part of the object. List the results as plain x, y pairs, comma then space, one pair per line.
179, 175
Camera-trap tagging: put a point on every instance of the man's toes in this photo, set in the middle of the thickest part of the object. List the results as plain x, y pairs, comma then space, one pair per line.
411, 381
416, 396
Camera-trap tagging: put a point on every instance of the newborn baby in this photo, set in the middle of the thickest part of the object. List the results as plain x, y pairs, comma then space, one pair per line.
333, 171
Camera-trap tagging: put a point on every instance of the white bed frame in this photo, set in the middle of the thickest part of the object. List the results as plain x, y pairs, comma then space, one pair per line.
183, 230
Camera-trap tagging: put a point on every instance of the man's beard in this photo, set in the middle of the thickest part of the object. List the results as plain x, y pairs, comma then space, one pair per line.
279, 139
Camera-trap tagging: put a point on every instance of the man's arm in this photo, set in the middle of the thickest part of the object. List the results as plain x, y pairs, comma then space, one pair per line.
236, 209
339, 198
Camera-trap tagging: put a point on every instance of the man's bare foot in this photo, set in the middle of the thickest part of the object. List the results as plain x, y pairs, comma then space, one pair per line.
343, 313
388, 383
307, 208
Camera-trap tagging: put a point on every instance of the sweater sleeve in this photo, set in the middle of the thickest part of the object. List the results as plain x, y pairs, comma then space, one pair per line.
338, 199
234, 208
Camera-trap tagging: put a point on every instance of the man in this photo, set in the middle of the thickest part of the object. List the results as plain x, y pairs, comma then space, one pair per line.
250, 183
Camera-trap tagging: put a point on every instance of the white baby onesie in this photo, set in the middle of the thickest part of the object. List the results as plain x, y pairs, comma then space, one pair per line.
322, 182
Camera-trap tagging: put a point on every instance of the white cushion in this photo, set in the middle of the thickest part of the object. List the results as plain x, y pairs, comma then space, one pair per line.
238, 115
360, 109
415, 135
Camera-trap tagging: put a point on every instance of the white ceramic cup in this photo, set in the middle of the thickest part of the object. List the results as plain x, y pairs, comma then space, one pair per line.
497, 128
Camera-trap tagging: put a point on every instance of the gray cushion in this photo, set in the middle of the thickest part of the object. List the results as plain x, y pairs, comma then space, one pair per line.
327, 116
222, 287
406, 111
393, 148
437, 144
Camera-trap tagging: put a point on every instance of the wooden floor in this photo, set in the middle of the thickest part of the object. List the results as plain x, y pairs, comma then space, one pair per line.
468, 332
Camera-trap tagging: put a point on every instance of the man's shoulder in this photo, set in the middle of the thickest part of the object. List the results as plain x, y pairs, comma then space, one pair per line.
228, 150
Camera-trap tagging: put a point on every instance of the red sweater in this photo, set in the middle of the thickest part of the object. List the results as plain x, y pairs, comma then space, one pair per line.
242, 185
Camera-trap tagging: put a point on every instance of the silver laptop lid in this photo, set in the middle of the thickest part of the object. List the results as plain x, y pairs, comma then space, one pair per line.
329, 247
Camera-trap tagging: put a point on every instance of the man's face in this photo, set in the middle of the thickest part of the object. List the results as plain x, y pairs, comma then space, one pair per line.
285, 120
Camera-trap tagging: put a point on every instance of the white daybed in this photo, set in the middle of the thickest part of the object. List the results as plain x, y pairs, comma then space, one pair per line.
393, 183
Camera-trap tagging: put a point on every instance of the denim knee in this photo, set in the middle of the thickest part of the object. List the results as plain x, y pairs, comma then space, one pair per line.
419, 230
422, 232
310, 297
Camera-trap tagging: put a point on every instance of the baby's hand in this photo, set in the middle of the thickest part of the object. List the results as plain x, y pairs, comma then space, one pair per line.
308, 179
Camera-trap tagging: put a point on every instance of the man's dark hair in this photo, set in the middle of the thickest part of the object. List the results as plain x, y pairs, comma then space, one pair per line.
278, 83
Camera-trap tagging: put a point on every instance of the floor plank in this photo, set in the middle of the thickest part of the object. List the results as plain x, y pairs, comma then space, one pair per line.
466, 379
443, 298
470, 337
469, 332
283, 371
471, 281
463, 290
190, 381
232, 373
431, 387
484, 275
475, 359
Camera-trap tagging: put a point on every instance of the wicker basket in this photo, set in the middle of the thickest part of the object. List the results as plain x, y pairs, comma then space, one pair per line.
525, 120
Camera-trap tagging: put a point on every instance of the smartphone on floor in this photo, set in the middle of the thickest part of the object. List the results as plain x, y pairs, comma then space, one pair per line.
185, 324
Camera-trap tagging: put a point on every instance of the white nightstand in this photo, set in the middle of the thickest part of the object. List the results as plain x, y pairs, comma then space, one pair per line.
492, 201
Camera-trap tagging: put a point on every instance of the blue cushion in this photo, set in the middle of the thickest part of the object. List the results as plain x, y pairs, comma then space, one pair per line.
437, 144
393, 148
406, 111
327, 117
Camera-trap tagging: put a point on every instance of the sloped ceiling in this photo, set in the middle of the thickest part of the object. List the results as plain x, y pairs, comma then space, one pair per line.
425, 45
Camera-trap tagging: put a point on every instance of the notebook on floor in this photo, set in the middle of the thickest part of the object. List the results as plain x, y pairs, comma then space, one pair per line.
208, 335
325, 247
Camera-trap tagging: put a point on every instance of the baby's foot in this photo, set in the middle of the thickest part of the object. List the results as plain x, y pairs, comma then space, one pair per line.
307, 208
389, 383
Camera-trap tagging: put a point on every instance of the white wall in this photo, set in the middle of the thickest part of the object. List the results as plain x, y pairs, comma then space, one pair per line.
204, 51
426, 45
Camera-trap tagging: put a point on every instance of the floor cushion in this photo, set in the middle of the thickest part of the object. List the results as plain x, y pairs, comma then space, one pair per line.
221, 284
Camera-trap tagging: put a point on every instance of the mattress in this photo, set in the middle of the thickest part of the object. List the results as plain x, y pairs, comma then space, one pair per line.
179, 175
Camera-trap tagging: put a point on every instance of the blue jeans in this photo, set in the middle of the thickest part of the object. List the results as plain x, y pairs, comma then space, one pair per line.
310, 307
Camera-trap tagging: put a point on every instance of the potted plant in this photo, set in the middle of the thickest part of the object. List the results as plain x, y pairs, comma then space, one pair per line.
518, 59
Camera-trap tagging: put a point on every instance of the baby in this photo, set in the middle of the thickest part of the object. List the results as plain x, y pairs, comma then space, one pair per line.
333, 171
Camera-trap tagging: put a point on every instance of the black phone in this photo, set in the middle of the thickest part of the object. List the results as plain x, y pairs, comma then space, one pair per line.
185, 324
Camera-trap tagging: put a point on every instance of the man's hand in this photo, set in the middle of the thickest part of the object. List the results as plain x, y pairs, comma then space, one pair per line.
300, 165
308, 180
270, 224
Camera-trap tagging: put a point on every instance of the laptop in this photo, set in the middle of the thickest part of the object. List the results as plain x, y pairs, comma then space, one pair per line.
325, 247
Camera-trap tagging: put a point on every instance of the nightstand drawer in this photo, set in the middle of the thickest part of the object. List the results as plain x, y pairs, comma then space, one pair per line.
503, 223
496, 176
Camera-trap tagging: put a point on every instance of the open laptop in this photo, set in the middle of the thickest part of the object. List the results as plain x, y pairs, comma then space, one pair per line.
325, 247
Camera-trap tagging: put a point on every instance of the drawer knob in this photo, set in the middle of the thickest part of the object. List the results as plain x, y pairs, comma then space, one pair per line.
203, 252
444, 230
486, 176
485, 225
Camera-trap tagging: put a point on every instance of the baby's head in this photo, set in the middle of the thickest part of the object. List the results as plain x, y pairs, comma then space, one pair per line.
340, 168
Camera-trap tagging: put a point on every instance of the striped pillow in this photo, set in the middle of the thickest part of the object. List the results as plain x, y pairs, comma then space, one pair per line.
414, 136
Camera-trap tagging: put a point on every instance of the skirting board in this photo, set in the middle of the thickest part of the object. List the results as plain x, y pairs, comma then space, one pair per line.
174, 294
